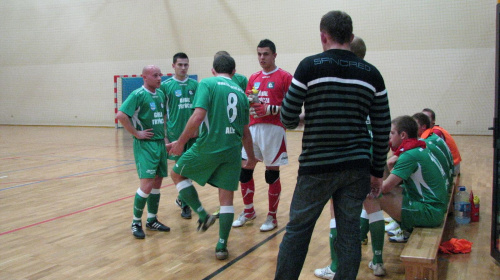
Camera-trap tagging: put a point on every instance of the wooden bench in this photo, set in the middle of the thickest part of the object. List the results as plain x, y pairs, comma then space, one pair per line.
419, 255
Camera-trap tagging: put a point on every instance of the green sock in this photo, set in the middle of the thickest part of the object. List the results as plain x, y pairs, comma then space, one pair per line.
377, 232
225, 222
365, 228
333, 254
153, 203
139, 203
190, 196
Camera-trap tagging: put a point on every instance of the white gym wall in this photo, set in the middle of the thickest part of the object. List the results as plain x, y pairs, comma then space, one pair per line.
58, 58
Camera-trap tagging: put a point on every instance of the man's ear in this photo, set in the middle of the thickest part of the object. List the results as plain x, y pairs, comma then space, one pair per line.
404, 135
323, 37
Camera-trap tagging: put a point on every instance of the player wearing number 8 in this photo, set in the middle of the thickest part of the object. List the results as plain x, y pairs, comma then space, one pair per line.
222, 115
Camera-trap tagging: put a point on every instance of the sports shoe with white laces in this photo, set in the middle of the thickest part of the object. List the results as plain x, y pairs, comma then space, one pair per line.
402, 237
378, 269
324, 273
270, 224
394, 232
137, 231
392, 226
243, 218
156, 225
221, 254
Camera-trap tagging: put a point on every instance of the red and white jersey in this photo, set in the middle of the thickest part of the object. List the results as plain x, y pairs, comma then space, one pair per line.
272, 88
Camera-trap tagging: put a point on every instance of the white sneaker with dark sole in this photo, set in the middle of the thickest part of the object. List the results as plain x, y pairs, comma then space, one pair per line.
401, 237
392, 226
378, 269
324, 273
243, 218
270, 224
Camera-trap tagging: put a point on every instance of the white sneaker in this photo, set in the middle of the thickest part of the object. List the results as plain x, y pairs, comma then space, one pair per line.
391, 226
324, 273
243, 218
402, 237
378, 269
394, 232
270, 224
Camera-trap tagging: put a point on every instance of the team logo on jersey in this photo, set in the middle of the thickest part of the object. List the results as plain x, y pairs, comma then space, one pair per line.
178, 93
256, 85
191, 92
270, 85
153, 106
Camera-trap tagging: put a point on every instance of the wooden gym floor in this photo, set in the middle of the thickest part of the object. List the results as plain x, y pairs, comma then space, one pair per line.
66, 196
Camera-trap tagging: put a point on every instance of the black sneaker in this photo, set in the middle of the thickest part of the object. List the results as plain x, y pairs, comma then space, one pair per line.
204, 225
186, 211
156, 225
137, 231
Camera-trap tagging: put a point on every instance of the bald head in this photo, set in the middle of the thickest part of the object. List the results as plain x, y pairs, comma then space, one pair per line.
358, 47
151, 75
149, 68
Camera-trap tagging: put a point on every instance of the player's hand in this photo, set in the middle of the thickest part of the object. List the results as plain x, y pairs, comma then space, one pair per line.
261, 110
174, 148
376, 187
145, 134
391, 162
251, 163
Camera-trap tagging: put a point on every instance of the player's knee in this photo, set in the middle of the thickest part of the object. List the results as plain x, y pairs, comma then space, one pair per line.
272, 176
246, 175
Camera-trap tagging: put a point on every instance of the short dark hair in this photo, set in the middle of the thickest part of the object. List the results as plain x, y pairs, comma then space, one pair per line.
406, 124
179, 55
358, 47
422, 119
224, 64
338, 25
433, 115
222, 53
266, 43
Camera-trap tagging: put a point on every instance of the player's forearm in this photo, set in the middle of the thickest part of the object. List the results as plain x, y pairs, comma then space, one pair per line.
125, 121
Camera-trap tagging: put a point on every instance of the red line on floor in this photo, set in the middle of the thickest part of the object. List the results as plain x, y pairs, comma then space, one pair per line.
73, 213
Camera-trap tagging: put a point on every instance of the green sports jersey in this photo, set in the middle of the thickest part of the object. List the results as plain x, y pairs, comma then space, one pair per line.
439, 148
424, 179
227, 113
240, 80
180, 96
146, 110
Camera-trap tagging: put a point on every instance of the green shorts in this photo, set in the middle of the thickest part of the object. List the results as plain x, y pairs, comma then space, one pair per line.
150, 158
221, 170
418, 214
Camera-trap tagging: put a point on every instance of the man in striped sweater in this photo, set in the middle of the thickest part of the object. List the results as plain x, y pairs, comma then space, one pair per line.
338, 91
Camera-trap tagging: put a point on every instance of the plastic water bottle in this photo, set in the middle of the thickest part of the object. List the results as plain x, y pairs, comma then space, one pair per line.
462, 206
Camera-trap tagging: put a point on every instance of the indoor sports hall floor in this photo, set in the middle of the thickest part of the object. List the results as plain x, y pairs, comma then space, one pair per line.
66, 196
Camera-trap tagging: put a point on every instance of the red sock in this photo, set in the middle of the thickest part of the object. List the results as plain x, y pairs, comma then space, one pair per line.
274, 197
247, 191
